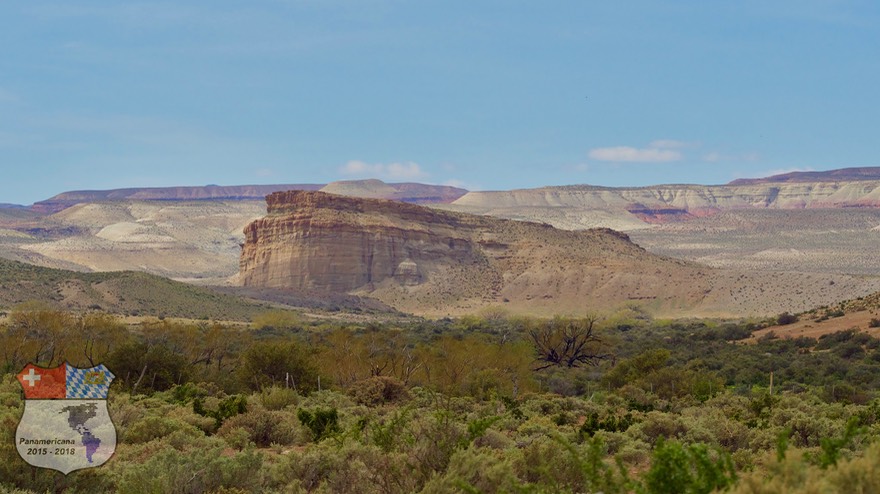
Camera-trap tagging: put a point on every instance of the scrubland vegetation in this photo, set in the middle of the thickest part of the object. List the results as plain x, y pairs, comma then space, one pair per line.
479, 404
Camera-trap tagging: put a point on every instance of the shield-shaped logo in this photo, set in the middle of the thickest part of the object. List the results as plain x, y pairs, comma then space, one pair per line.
65, 425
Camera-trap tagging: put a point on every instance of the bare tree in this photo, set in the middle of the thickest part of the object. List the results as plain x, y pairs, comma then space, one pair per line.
567, 342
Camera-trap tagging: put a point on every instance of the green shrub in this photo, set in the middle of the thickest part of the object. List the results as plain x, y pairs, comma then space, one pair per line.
322, 422
610, 423
278, 398
691, 469
229, 407
186, 393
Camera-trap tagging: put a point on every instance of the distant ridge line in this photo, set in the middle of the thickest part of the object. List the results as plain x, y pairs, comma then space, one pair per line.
839, 175
405, 192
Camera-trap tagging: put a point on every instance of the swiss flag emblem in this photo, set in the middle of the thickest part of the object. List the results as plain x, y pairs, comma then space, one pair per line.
39, 382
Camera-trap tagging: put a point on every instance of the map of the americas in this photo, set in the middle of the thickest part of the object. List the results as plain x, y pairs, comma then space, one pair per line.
77, 416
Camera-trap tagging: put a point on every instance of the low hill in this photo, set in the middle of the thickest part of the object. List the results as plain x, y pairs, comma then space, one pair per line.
434, 262
125, 292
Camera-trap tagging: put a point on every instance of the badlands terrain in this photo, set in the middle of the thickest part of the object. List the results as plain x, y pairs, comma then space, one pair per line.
756, 246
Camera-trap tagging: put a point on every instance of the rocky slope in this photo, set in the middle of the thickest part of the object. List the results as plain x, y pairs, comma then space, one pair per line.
436, 263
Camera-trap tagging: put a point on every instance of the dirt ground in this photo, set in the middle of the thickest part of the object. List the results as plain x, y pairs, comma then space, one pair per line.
813, 329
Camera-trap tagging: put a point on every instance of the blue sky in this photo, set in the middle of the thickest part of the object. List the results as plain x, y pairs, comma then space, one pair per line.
485, 94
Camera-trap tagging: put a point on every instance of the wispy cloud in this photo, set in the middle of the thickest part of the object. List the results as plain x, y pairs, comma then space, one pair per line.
660, 151
390, 171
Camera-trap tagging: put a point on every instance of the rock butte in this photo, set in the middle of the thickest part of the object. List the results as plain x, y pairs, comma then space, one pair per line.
435, 262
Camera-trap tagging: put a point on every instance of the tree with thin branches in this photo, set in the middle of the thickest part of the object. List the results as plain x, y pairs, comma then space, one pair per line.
567, 342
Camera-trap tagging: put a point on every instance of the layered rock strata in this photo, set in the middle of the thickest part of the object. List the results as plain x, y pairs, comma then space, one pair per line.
579, 206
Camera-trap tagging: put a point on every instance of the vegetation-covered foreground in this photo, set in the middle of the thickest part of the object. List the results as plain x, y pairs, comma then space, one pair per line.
481, 404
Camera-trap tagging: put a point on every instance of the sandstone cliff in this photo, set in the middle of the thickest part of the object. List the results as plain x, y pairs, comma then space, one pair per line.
438, 262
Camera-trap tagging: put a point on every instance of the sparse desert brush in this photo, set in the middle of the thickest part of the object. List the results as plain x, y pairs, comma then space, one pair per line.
473, 419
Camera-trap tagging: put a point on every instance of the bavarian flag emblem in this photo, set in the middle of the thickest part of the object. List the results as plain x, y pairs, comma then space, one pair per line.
65, 425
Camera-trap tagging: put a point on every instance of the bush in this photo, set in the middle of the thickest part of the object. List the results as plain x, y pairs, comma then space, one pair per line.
692, 469
277, 398
322, 422
263, 428
786, 318
227, 408
378, 390
476, 471
610, 423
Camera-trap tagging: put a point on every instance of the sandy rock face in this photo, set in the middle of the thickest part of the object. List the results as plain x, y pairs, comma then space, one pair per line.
318, 241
